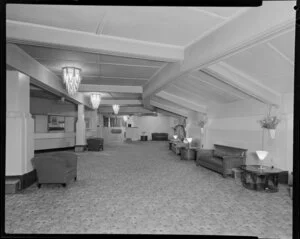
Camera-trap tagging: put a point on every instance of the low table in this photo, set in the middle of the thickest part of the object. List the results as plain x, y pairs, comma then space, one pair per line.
260, 179
187, 154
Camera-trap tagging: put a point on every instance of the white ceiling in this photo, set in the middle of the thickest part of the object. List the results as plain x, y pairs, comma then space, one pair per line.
269, 63
96, 68
166, 25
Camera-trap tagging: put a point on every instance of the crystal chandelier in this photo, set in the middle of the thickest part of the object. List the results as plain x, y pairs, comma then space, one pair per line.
72, 79
116, 109
95, 100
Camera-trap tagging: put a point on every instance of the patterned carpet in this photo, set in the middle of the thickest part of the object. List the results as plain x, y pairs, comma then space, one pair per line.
143, 188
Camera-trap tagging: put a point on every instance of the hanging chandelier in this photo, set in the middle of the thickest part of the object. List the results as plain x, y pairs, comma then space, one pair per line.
95, 100
72, 79
116, 109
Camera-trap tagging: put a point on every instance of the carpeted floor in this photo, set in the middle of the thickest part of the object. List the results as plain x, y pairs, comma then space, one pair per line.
143, 188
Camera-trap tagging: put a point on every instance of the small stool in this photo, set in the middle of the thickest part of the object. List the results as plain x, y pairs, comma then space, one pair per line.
236, 173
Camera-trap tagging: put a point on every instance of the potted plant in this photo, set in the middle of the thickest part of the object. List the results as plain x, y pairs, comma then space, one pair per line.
270, 123
201, 124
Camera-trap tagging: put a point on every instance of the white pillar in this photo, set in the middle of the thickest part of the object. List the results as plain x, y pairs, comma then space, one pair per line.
19, 125
94, 122
80, 129
100, 126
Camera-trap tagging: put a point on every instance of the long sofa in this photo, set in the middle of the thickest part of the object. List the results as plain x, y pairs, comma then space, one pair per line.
221, 159
160, 136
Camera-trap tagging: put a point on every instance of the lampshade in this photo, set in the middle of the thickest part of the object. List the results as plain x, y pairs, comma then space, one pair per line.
175, 136
262, 154
116, 109
95, 100
189, 139
72, 79
125, 117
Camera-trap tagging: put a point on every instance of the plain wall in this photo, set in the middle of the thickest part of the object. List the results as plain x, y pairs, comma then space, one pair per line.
44, 140
153, 124
236, 124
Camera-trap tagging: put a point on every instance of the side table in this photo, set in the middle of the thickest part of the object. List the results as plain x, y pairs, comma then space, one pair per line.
187, 154
260, 179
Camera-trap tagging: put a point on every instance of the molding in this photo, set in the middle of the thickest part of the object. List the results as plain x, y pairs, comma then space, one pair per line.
39, 74
169, 72
182, 102
124, 109
244, 83
211, 30
163, 66
208, 13
115, 77
167, 113
157, 103
34, 34
110, 88
101, 24
26, 179
219, 89
258, 24
187, 91
120, 102
280, 53
100, 63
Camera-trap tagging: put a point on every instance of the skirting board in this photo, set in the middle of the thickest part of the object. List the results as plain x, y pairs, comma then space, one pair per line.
26, 179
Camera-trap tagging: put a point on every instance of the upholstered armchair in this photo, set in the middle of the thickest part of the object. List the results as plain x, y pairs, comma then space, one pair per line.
95, 144
57, 167
222, 159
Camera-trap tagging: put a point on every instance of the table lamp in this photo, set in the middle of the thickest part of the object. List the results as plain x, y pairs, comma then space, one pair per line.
189, 141
261, 154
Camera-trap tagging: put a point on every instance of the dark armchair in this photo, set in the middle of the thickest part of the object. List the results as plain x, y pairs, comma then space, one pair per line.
95, 144
222, 159
57, 167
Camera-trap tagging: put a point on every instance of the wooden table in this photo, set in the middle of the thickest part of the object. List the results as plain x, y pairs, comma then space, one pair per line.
187, 154
255, 178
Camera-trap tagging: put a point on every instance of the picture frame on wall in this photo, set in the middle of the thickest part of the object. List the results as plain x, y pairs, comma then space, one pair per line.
56, 123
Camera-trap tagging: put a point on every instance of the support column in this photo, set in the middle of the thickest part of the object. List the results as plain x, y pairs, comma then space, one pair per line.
100, 126
19, 128
80, 129
94, 122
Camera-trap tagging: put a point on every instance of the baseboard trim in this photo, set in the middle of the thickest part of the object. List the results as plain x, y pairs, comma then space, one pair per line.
26, 179
53, 150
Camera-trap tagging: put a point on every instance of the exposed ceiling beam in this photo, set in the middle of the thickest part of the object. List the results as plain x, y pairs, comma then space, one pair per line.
244, 83
124, 110
120, 102
28, 33
110, 88
161, 103
248, 29
182, 102
39, 74
167, 113
217, 84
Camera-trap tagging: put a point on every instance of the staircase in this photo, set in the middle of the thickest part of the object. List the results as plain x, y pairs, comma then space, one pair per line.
12, 186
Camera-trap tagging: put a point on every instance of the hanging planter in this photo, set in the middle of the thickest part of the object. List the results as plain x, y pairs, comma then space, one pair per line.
270, 123
201, 123
272, 133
